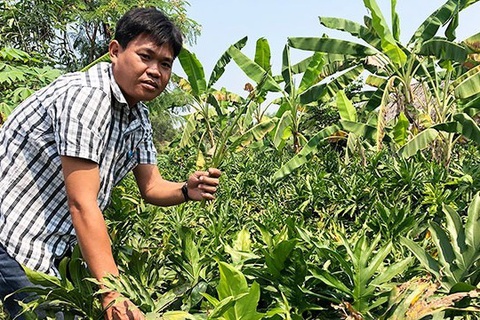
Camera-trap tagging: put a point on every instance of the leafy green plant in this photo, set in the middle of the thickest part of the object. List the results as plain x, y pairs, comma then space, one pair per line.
457, 255
427, 63
236, 299
359, 273
20, 75
294, 101
71, 293
217, 129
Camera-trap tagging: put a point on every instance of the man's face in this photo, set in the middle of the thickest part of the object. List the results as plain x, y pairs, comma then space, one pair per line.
142, 69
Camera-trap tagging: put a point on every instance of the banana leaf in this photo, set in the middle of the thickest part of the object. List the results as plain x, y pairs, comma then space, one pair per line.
354, 28
309, 149
444, 50
194, 71
263, 54
388, 42
419, 142
345, 107
253, 70
429, 28
225, 59
468, 87
312, 71
328, 45
287, 72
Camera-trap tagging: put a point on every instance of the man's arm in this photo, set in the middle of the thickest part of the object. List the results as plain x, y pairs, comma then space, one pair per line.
82, 182
201, 185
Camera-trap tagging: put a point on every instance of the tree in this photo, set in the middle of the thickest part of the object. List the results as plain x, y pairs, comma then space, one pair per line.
73, 33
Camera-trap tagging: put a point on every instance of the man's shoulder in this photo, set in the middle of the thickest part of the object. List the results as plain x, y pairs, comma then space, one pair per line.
97, 77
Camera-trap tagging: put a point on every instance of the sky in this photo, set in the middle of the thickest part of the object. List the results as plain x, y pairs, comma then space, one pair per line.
225, 22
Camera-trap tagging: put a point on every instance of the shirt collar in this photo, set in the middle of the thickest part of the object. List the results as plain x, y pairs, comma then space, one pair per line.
117, 92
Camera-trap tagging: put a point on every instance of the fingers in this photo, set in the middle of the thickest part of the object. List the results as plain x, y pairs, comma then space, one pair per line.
203, 184
125, 310
214, 172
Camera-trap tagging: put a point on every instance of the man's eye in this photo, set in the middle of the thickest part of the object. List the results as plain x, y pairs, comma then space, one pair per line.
144, 56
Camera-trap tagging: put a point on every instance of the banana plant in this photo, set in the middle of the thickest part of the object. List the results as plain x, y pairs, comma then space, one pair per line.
294, 101
428, 62
217, 115
456, 260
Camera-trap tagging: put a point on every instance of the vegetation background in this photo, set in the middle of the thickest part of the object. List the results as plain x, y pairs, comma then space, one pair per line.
358, 198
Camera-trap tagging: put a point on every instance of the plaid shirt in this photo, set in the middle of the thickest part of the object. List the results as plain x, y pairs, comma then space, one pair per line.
82, 115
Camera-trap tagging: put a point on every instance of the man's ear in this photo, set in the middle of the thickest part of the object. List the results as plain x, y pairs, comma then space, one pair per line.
113, 48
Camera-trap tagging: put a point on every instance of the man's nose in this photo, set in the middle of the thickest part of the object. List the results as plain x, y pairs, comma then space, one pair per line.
154, 71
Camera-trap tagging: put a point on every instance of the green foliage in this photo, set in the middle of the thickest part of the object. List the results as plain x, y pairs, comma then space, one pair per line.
72, 294
20, 75
287, 240
236, 300
74, 33
426, 79
295, 249
457, 247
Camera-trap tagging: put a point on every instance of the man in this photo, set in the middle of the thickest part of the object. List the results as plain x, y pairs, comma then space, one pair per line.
64, 148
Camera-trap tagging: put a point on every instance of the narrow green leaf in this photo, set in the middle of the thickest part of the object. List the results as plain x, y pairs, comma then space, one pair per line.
42, 279
375, 263
329, 279
391, 271
446, 254
425, 259
454, 226
472, 225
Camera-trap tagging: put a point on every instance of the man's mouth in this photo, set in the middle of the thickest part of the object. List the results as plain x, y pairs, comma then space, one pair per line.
151, 83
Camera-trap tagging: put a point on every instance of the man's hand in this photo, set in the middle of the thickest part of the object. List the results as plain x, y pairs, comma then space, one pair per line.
202, 185
122, 309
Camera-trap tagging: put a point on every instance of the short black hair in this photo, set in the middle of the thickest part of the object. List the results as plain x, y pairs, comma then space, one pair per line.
149, 21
